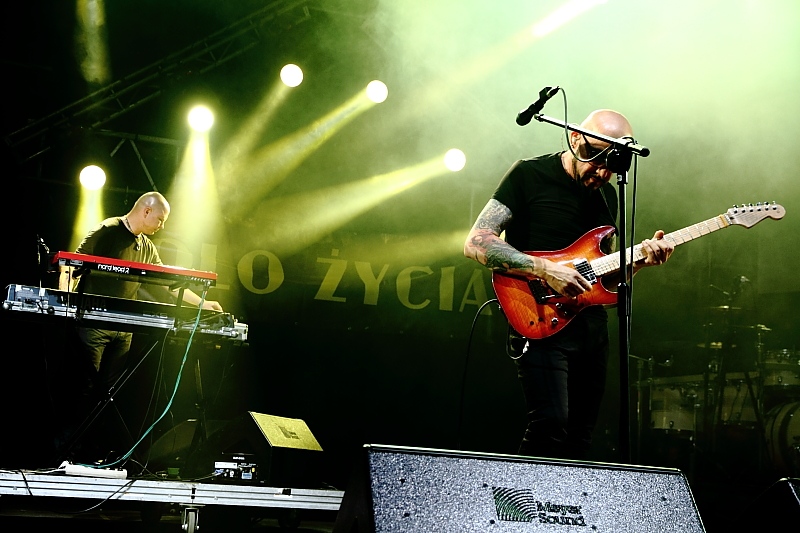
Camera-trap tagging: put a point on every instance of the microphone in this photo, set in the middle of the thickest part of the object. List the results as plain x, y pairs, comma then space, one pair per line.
525, 116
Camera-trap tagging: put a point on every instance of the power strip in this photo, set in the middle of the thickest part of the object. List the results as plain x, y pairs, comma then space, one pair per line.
79, 470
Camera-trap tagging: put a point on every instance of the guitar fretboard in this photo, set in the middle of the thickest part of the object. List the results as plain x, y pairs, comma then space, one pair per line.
611, 263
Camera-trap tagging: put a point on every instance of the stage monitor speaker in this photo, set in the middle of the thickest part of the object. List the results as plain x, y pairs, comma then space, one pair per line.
171, 448
776, 509
397, 489
259, 448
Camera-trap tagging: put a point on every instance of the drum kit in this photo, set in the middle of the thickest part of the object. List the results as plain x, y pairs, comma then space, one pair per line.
757, 394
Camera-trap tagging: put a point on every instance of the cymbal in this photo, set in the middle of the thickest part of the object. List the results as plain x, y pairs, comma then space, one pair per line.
714, 345
725, 308
761, 327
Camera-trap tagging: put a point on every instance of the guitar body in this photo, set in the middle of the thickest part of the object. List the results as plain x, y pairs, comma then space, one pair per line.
535, 319
536, 311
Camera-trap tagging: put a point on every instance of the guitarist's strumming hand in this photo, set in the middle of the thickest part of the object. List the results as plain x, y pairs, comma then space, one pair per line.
566, 281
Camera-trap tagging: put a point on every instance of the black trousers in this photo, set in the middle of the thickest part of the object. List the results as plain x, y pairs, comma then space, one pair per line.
563, 379
94, 361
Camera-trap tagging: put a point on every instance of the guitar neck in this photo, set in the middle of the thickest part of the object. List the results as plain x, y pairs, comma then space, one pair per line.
611, 263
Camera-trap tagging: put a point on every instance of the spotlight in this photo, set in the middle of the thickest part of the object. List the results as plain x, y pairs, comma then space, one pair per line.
291, 75
455, 159
200, 118
377, 91
92, 177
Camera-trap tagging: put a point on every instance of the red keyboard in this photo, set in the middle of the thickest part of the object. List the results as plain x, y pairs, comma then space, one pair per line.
141, 272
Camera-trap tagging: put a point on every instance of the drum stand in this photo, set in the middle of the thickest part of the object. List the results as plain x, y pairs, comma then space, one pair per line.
720, 381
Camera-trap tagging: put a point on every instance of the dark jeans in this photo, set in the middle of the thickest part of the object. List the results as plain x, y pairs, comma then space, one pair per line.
95, 360
563, 379
107, 351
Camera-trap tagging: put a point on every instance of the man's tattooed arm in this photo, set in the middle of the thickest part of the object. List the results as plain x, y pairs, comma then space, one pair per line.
485, 246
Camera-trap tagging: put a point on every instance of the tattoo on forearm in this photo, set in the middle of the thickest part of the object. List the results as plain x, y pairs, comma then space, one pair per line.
489, 248
498, 255
502, 257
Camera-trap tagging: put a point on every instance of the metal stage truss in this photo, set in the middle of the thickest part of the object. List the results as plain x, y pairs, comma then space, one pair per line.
190, 496
133, 90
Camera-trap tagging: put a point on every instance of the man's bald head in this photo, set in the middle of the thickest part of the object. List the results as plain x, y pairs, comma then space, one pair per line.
149, 213
608, 122
153, 200
584, 161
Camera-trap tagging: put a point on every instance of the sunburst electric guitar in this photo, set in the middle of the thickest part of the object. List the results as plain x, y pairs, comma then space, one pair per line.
536, 311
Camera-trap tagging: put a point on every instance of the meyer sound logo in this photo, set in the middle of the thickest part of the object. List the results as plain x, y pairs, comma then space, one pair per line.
519, 505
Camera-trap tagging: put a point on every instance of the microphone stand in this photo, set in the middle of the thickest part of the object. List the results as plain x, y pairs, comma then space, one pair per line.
640, 361
618, 161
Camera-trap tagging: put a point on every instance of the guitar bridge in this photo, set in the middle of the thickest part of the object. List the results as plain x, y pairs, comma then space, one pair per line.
541, 291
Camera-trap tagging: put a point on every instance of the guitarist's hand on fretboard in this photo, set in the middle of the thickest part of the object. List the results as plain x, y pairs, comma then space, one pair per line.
658, 250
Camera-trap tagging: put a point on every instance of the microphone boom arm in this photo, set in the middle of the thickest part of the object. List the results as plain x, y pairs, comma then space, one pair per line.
623, 143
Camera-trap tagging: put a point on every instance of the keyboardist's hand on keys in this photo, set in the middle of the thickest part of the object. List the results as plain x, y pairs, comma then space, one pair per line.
211, 305
193, 299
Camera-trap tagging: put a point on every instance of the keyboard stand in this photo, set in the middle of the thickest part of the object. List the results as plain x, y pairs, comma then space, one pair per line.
101, 405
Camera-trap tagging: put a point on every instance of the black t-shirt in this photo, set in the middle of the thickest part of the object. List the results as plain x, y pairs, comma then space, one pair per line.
112, 239
550, 210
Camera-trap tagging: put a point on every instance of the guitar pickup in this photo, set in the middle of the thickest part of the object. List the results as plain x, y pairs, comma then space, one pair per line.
542, 292
585, 269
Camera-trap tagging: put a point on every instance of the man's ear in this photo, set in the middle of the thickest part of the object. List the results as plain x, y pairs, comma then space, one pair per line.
574, 136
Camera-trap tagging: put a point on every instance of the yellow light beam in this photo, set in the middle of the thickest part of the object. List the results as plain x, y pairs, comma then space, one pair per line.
417, 248
90, 214
499, 55
269, 166
90, 41
195, 213
288, 225
230, 161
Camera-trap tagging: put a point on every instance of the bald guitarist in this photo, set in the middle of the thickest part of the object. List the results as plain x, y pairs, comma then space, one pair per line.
548, 203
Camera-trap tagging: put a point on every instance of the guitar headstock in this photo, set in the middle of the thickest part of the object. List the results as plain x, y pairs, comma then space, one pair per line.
748, 215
